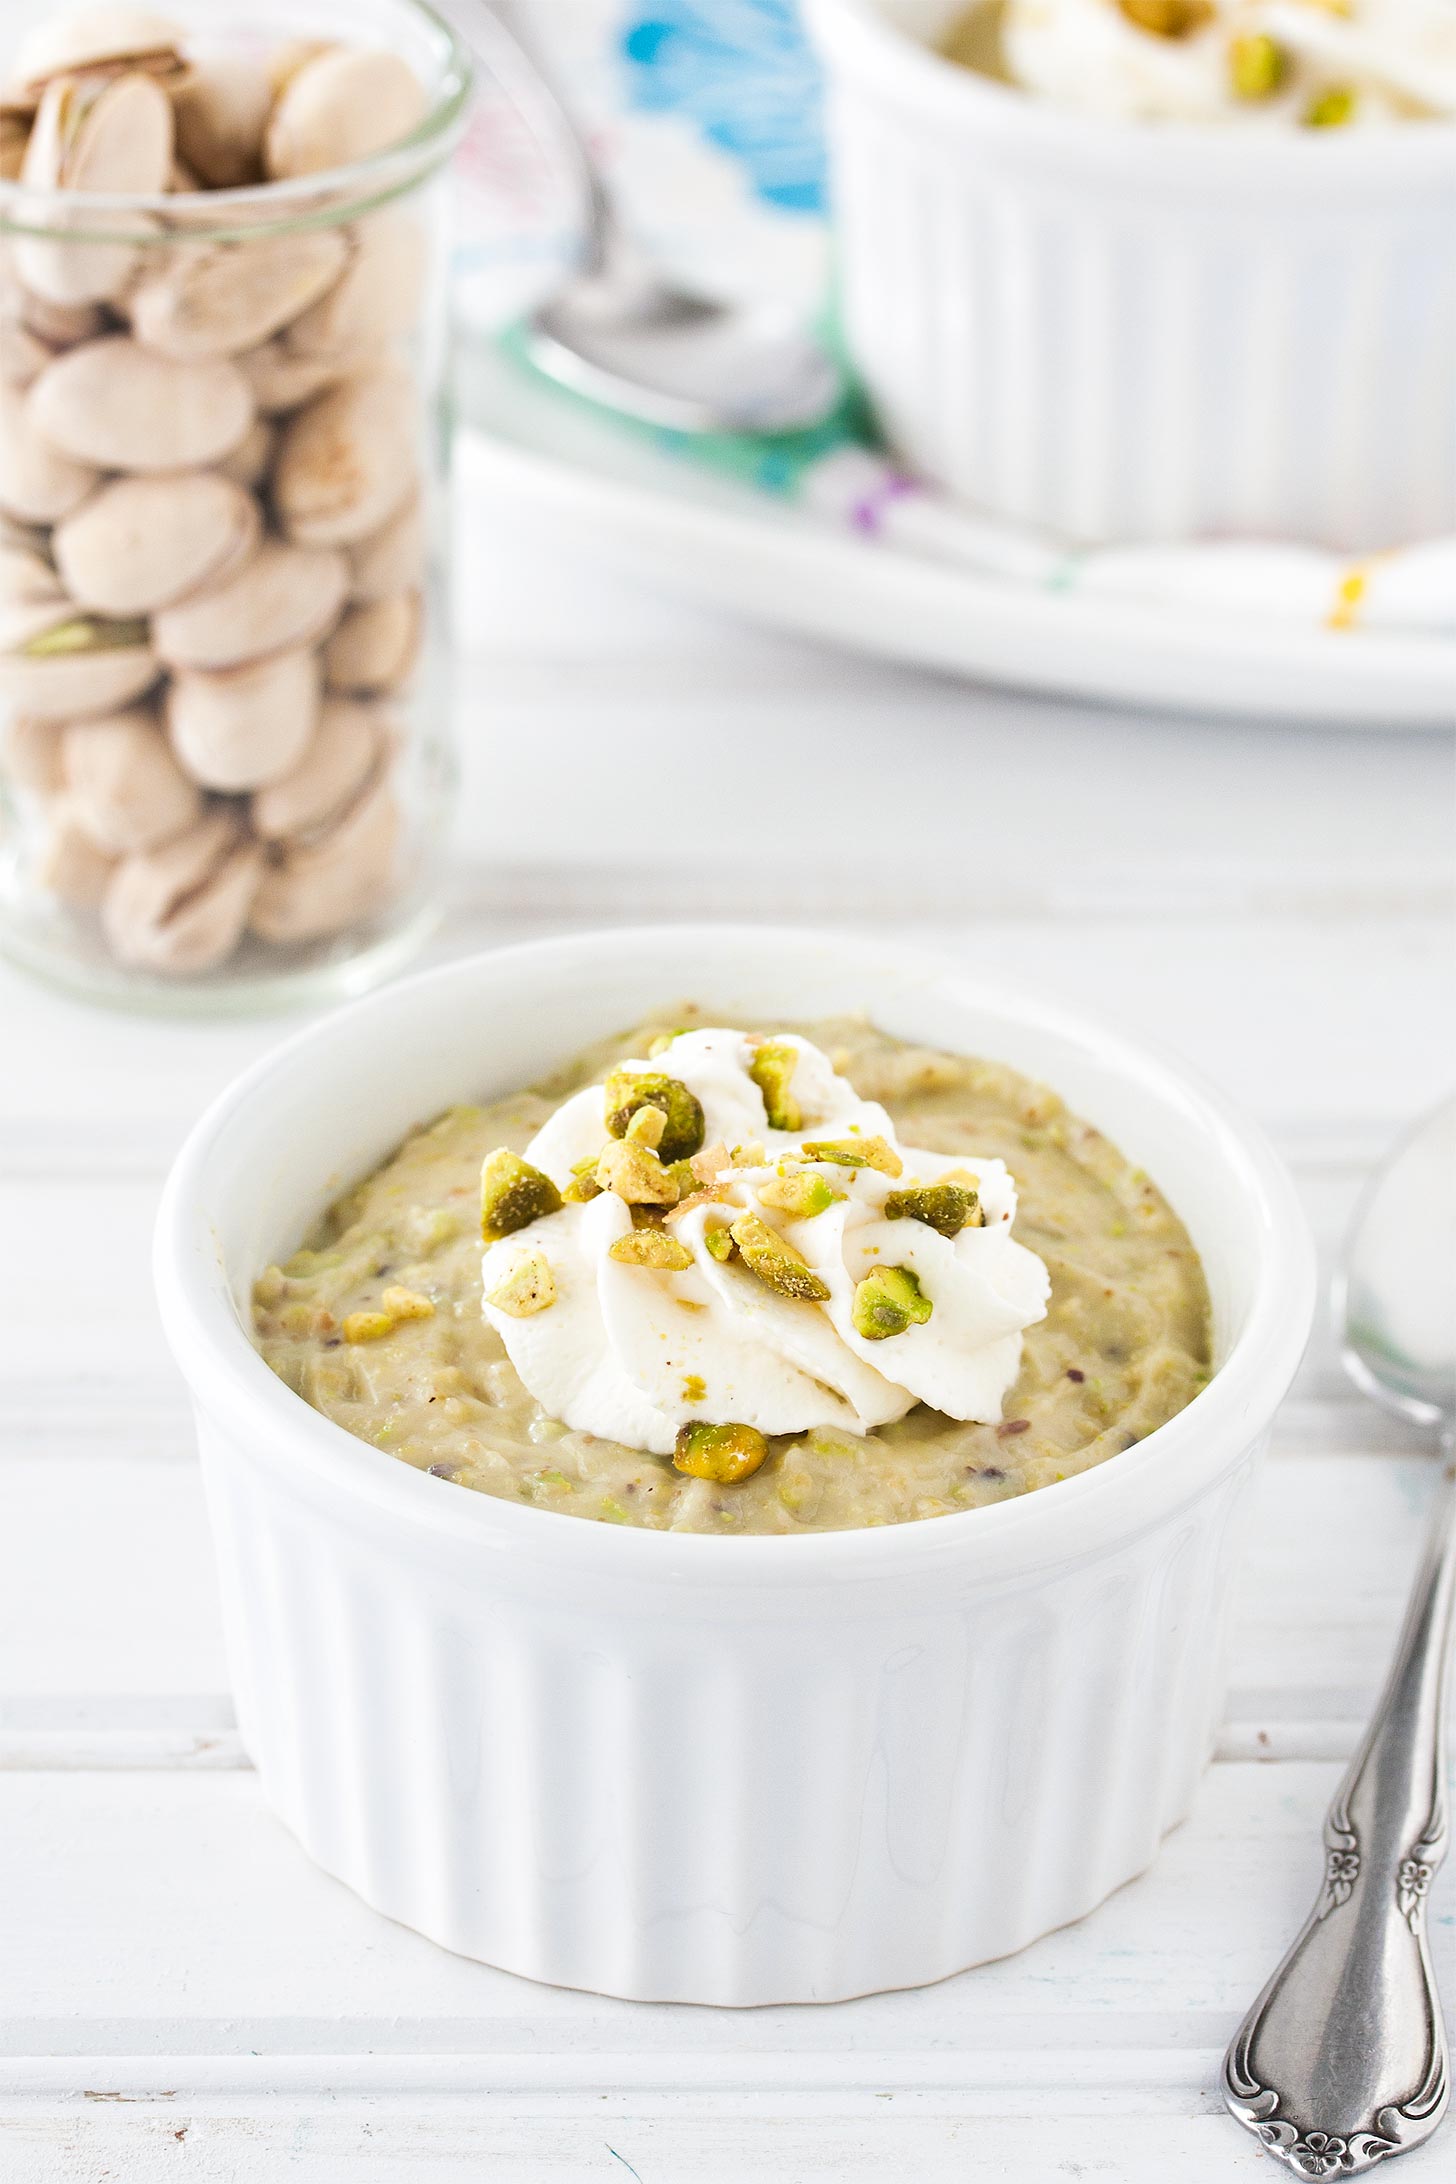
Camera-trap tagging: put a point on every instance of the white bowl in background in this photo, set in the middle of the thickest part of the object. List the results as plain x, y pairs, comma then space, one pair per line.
1142, 330
684, 1767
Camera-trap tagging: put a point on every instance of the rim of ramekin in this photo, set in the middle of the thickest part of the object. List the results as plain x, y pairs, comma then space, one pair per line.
1314, 162
1125, 1494
260, 209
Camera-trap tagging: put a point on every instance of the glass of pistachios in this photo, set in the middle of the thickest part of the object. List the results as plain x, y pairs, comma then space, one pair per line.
224, 665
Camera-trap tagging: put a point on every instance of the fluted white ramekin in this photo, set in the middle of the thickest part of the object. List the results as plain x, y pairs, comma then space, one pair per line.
709, 1769
1142, 331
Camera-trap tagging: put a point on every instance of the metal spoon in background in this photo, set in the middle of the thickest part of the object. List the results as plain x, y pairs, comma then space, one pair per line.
622, 335
1342, 2060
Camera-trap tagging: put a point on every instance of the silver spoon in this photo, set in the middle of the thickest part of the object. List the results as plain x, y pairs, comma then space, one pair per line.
1342, 2060
622, 335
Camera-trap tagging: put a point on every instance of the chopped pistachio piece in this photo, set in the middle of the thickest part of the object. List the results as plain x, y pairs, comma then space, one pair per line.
750, 1154
799, 1196
528, 1288
725, 1454
663, 1041
583, 1186
651, 1247
945, 1207
772, 1070
855, 1152
775, 1262
888, 1301
636, 1174
626, 1091
1167, 18
1331, 109
513, 1194
719, 1242
403, 1304
686, 1177
1258, 65
647, 1127
367, 1326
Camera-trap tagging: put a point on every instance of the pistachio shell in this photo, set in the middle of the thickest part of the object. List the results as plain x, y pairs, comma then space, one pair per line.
140, 543
217, 301
346, 462
334, 882
95, 134
183, 908
59, 325
375, 647
30, 755
22, 353
280, 381
392, 558
27, 579
14, 135
245, 726
344, 753
95, 38
70, 866
181, 181
222, 108
249, 461
117, 404
343, 105
126, 789
284, 596
37, 482
376, 297
67, 684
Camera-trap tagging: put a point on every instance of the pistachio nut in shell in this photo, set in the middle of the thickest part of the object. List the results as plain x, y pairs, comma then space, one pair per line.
214, 301
14, 136
251, 459
280, 381
30, 755
70, 866
392, 558
38, 483
59, 325
100, 38
22, 353
122, 406
242, 727
343, 105
93, 133
124, 785
284, 596
27, 579
374, 648
58, 664
377, 295
183, 908
221, 108
346, 750
344, 876
345, 462
140, 543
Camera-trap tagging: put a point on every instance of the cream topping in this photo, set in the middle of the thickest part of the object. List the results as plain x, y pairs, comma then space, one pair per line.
631, 1353
1395, 58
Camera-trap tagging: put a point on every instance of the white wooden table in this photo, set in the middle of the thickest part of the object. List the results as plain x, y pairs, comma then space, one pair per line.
182, 1995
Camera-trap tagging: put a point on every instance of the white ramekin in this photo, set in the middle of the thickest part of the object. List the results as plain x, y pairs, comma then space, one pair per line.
1142, 331
693, 1768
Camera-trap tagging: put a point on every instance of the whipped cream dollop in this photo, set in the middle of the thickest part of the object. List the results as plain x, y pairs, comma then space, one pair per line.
1274, 63
633, 1352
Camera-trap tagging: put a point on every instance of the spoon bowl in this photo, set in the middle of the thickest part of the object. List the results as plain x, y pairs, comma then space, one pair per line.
1394, 1295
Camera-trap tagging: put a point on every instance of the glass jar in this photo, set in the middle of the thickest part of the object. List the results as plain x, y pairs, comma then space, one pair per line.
225, 754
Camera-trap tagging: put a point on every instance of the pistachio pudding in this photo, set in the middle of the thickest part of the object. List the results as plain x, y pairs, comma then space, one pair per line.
754, 1281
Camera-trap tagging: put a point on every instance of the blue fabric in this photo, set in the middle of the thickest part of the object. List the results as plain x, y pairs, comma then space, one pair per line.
743, 72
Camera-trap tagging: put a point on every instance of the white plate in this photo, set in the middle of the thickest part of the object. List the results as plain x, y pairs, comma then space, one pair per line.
693, 531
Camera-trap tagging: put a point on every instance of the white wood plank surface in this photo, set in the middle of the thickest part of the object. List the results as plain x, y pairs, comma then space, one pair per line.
181, 1994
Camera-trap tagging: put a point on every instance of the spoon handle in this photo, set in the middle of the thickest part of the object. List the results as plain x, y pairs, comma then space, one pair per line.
559, 136
1341, 2062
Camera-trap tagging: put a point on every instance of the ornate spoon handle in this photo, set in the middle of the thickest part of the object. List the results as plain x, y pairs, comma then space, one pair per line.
1342, 2060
